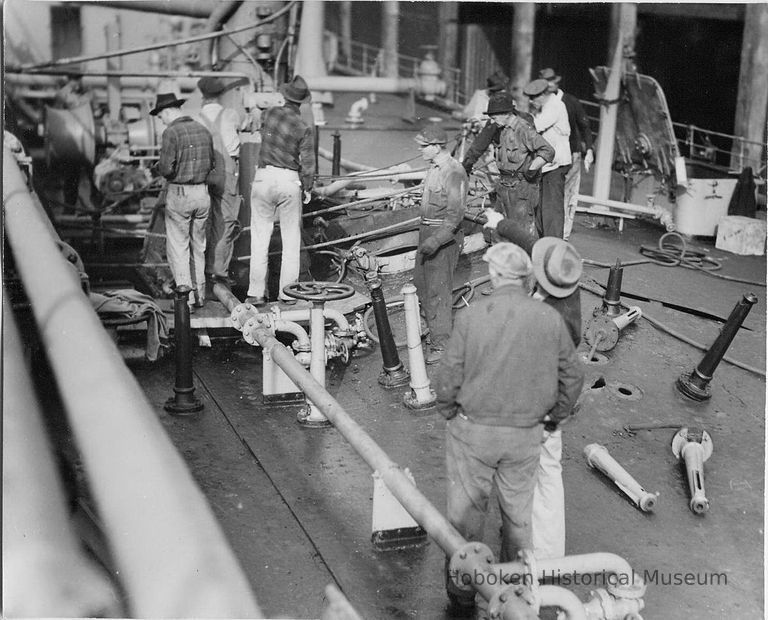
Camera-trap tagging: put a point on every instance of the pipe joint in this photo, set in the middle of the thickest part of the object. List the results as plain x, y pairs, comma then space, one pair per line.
469, 565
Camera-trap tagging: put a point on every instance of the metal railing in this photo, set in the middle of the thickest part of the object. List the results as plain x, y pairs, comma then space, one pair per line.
170, 556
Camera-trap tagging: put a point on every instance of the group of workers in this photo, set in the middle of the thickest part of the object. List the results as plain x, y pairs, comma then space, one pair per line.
508, 373
199, 161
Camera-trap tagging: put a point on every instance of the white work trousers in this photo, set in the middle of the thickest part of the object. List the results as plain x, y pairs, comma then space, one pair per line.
186, 213
548, 522
275, 196
572, 183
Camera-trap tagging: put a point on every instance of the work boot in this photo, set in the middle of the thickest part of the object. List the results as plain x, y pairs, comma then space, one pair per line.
256, 301
434, 354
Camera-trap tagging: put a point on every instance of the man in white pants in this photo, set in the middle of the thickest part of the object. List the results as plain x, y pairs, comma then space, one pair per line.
286, 172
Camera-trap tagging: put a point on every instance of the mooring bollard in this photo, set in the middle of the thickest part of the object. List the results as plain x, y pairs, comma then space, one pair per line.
612, 297
421, 396
599, 458
694, 449
183, 401
695, 384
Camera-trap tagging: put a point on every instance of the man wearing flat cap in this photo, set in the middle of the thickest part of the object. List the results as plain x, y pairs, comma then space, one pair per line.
440, 236
520, 156
281, 184
551, 121
580, 142
510, 365
223, 223
188, 163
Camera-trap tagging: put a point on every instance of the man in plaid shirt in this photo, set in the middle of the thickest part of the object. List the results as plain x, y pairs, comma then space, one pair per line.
285, 174
187, 162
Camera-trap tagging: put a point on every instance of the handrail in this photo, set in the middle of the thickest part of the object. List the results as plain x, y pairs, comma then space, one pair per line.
171, 556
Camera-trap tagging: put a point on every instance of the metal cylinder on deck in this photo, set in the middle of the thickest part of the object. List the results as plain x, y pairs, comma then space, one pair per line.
250, 146
612, 298
336, 158
695, 385
421, 396
312, 416
694, 448
183, 401
393, 374
598, 457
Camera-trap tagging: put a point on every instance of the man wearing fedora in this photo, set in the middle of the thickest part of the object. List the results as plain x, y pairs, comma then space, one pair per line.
581, 146
551, 121
520, 156
188, 163
223, 223
440, 236
476, 108
510, 365
285, 173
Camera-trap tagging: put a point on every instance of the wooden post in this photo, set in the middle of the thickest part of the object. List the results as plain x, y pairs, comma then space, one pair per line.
389, 36
752, 100
624, 24
523, 29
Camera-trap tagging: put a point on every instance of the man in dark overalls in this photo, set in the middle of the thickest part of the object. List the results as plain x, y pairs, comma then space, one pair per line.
520, 155
440, 237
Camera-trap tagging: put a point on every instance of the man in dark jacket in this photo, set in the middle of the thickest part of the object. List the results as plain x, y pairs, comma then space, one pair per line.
510, 366
581, 146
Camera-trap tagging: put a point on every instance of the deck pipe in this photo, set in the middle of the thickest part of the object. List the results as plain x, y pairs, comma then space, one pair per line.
612, 298
171, 557
45, 572
598, 457
336, 157
421, 396
602, 331
183, 401
695, 384
694, 449
313, 416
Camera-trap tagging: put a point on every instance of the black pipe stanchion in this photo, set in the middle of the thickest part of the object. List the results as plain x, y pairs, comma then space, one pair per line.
336, 159
183, 401
695, 385
317, 148
393, 374
612, 298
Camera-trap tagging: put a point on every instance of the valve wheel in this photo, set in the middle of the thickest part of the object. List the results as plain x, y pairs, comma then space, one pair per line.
319, 291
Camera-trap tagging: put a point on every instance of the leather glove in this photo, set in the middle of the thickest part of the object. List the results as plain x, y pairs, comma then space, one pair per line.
429, 246
492, 218
589, 157
531, 175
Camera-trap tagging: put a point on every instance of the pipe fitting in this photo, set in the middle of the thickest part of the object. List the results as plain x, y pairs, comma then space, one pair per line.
464, 563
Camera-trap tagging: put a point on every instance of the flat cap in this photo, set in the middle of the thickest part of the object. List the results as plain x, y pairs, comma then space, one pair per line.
211, 86
431, 134
509, 260
535, 88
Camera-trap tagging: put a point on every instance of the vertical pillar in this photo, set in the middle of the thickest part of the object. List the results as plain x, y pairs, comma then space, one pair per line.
624, 26
336, 159
112, 32
183, 401
448, 39
309, 51
313, 417
752, 99
390, 32
523, 30
345, 29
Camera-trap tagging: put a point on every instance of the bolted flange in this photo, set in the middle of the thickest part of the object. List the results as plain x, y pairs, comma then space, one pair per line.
462, 567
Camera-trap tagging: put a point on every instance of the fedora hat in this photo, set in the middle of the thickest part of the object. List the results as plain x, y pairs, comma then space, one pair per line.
166, 100
296, 90
549, 75
211, 86
501, 103
556, 265
496, 81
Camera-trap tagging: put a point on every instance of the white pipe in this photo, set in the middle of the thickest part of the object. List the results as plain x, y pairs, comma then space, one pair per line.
356, 84
608, 117
422, 396
586, 563
567, 601
599, 458
316, 362
309, 50
290, 327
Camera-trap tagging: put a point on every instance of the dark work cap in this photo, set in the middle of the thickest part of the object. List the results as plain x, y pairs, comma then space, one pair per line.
536, 87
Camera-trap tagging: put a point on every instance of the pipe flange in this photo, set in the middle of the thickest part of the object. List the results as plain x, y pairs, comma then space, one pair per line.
683, 437
602, 328
633, 591
514, 601
239, 315
464, 561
